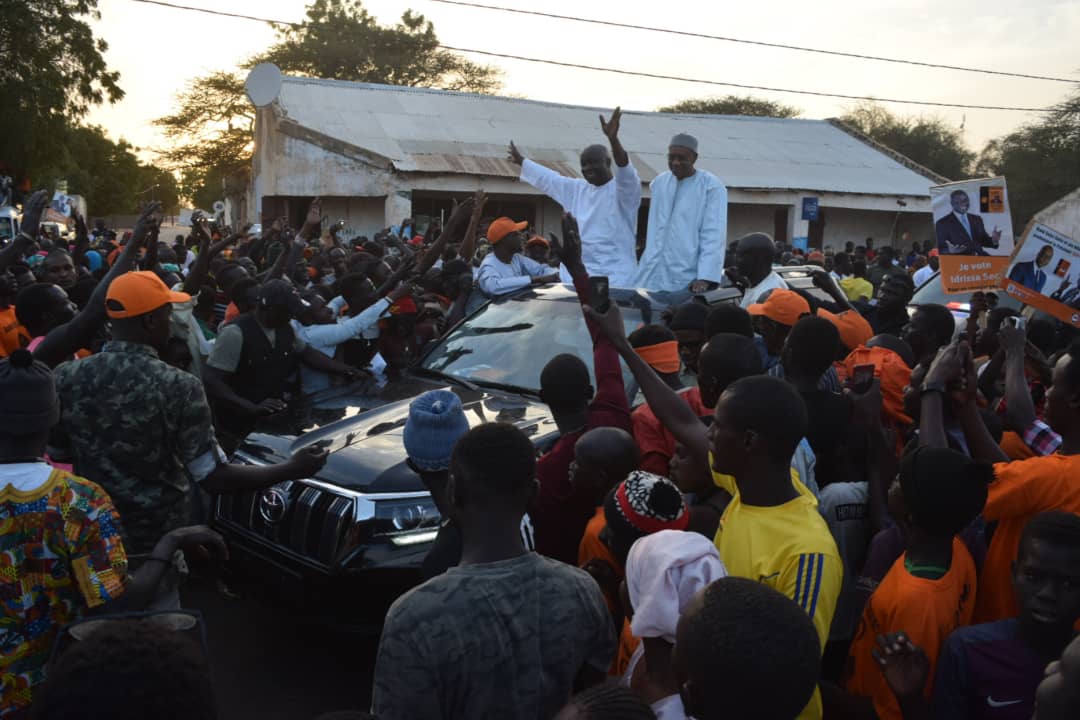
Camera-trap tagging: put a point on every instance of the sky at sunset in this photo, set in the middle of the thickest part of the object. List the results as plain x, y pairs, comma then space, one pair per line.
157, 50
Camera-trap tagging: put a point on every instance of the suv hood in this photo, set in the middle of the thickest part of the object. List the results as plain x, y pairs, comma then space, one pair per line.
367, 451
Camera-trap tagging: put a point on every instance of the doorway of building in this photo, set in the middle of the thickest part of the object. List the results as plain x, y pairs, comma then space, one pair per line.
816, 234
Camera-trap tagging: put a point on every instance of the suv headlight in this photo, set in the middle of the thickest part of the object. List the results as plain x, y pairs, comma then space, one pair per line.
408, 521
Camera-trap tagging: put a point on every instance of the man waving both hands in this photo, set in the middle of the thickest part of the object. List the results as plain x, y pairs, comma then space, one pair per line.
605, 205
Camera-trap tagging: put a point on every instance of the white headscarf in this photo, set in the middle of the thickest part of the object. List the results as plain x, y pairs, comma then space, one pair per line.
663, 571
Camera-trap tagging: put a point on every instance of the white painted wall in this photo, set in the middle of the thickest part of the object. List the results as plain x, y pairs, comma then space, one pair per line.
1063, 216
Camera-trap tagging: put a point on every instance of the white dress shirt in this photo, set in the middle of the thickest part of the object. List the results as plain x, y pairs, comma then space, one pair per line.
606, 215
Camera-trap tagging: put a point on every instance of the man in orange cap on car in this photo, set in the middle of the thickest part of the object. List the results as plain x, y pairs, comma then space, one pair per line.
505, 268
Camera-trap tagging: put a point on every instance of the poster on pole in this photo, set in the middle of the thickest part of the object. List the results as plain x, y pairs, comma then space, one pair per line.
973, 227
1044, 272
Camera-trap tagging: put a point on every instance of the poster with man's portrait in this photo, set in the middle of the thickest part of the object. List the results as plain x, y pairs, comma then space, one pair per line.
1045, 273
973, 231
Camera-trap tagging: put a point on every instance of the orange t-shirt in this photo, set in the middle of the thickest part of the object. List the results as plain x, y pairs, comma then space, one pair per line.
592, 547
627, 645
1014, 446
231, 313
1021, 490
9, 331
657, 444
926, 610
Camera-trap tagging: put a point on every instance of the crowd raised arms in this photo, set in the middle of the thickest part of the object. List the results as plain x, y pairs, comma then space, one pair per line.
815, 500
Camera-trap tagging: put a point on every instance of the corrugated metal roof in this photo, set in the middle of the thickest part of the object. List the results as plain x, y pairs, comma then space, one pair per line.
437, 131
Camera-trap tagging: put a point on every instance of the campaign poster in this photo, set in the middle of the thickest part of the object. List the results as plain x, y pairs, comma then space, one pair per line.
973, 227
1045, 273
62, 204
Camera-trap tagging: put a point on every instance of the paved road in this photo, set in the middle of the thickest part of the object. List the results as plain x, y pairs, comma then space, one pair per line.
269, 666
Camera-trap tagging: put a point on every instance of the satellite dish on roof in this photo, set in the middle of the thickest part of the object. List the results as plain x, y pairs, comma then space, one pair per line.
263, 84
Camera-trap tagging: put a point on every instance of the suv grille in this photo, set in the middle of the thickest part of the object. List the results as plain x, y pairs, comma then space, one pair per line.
308, 520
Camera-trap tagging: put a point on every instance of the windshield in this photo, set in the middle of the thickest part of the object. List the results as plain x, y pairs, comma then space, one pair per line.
7, 228
508, 342
931, 293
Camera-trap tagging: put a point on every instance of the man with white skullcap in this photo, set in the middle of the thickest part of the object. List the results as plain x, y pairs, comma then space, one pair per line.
687, 232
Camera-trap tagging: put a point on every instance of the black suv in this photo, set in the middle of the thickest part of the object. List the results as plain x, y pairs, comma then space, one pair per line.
366, 518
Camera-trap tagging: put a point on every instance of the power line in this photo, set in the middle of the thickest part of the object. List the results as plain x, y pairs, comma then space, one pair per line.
634, 73
741, 86
219, 12
760, 43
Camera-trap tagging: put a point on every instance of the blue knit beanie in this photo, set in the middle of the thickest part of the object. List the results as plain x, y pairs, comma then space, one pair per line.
436, 421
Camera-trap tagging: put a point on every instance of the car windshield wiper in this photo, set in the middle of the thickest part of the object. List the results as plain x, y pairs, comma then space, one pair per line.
507, 387
428, 372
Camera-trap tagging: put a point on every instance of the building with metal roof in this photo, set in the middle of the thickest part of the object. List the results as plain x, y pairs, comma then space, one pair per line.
377, 154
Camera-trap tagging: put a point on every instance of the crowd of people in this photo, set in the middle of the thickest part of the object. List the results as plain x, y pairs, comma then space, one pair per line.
824, 507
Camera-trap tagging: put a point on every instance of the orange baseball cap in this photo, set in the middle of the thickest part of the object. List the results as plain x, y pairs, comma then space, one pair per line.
537, 240
501, 227
853, 327
782, 306
137, 293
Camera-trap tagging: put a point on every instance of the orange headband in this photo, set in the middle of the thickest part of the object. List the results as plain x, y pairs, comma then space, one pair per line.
663, 357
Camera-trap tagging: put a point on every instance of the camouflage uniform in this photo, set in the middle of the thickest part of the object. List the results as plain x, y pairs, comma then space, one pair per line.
142, 430
503, 639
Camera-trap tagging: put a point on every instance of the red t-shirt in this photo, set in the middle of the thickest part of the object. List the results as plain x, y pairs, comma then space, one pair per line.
560, 513
1021, 489
655, 441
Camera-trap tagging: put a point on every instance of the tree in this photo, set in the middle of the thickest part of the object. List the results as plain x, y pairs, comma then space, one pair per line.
52, 70
340, 40
212, 130
109, 175
929, 141
733, 105
1040, 161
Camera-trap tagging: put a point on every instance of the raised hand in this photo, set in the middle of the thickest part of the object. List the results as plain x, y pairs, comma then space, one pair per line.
144, 226
513, 155
314, 213
81, 232
610, 127
479, 199
947, 366
1011, 337
570, 248
32, 210
609, 323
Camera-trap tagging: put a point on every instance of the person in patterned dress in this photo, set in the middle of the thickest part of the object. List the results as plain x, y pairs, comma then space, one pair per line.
61, 555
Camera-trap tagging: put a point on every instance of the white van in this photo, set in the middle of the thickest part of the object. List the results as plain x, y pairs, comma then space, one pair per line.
9, 224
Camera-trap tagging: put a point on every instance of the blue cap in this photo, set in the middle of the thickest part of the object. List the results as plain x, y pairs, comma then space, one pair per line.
436, 421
